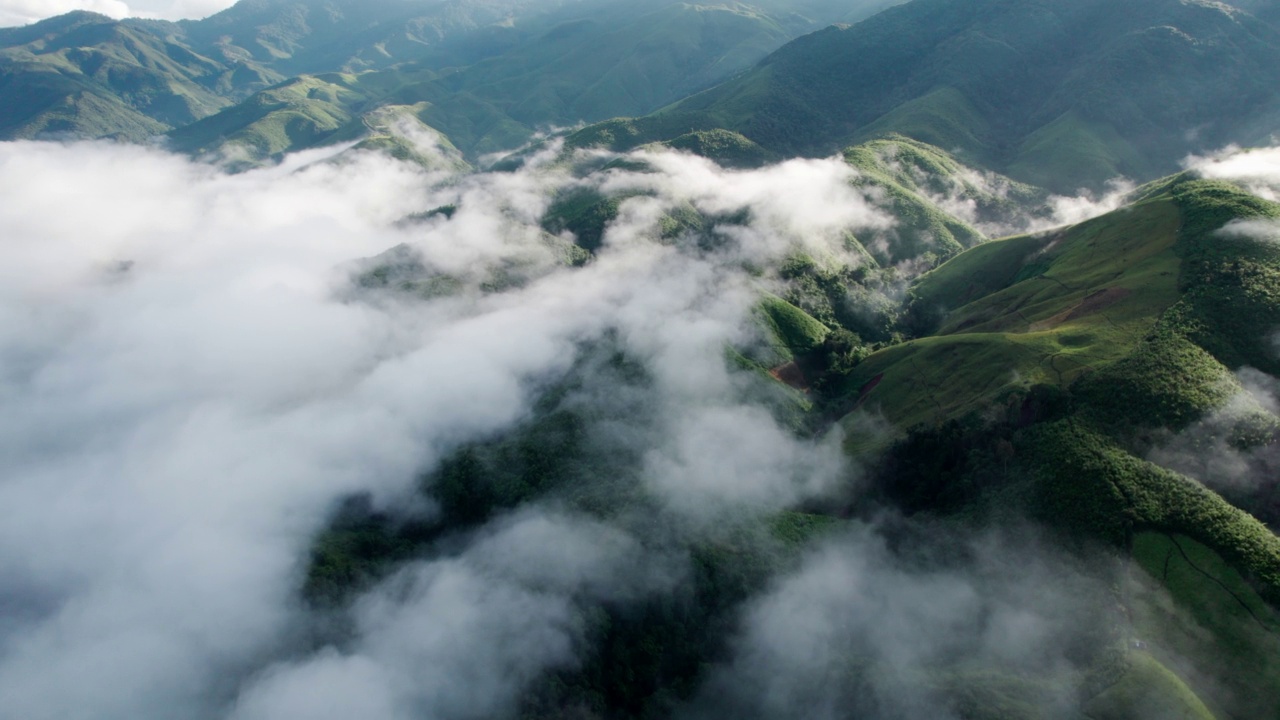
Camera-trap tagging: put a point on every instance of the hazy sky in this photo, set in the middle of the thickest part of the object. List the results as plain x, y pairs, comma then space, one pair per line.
21, 12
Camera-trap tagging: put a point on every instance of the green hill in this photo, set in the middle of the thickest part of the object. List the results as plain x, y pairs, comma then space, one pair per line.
1045, 363
1054, 93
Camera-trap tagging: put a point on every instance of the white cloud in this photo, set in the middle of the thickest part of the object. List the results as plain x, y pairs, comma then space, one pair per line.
191, 382
860, 631
1257, 169
1267, 231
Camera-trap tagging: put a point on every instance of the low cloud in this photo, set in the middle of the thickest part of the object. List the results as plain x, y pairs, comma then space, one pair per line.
1257, 169
1233, 449
463, 636
1070, 210
1267, 231
193, 382
860, 630
807, 204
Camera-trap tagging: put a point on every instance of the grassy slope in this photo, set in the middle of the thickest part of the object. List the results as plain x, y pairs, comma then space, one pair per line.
1074, 152
794, 330
1017, 313
1209, 599
1148, 689
1022, 315
943, 117
914, 178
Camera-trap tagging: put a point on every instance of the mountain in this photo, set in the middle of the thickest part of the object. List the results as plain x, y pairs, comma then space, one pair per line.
582, 69
297, 37
1078, 348
1054, 93
86, 75
492, 71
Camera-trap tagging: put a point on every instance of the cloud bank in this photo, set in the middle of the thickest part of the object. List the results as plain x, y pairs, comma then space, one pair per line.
193, 381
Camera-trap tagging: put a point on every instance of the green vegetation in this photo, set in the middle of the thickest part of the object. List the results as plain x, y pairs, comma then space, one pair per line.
1210, 614
795, 330
943, 117
1025, 311
585, 213
914, 178
297, 113
1039, 393
83, 74
1022, 377
728, 149
1167, 381
1041, 368
1072, 152
640, 657
1148, 689
1230, 284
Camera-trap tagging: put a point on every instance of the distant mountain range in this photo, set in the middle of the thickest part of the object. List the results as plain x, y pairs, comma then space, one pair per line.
492, 70
1057, 94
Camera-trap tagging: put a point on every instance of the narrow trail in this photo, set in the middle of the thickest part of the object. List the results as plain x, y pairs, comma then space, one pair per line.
1215, 580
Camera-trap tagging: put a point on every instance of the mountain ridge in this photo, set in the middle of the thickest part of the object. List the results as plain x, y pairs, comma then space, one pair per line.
1061, 95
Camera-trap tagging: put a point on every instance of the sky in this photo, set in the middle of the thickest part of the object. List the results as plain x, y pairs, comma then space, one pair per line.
22, 12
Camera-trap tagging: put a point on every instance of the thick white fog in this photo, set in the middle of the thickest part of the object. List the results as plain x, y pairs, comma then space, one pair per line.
190, 386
